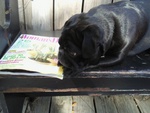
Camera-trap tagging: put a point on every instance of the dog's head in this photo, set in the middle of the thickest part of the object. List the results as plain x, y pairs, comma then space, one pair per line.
81, 42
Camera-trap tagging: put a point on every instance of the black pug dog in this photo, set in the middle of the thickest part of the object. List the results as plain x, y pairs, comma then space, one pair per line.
105, 35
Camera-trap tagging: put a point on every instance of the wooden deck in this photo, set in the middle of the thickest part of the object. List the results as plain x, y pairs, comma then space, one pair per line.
88, 104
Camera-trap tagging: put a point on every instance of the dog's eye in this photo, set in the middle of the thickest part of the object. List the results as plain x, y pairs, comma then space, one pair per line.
73, 54
65, 48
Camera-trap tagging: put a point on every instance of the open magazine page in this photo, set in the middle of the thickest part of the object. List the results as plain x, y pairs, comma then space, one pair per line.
33, 53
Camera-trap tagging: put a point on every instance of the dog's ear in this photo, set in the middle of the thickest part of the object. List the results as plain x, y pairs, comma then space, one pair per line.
72, 21
91, 38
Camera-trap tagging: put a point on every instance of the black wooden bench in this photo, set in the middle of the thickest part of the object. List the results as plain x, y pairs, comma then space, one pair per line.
130, 77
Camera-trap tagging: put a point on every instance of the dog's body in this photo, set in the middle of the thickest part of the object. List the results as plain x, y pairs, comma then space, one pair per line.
105, 35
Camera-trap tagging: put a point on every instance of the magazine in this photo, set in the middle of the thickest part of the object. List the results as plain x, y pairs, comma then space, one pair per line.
33, 53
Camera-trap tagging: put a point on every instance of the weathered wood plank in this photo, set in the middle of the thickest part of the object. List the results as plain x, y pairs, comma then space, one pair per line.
37, 105
143, 102
64, 10
105, 104
42, 15
61, 104
83, 104
21, 14
125, 104
27, 5
38, 14
88, 4
25, 105
2, 13
119, 0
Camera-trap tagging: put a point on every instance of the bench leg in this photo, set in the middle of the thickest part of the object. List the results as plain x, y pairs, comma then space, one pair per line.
11, 103
14, 102
3, 104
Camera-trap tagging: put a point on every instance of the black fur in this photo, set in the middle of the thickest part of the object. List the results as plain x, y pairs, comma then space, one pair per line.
105, 35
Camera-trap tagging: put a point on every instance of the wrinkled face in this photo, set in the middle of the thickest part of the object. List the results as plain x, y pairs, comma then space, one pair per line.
70, 51
79, 43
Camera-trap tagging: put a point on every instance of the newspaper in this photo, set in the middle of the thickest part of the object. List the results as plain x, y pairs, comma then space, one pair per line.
33, 53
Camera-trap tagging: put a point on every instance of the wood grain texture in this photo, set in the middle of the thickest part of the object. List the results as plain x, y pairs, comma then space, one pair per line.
83, 104
88, 104
21, 14
2, 13
119, 0
37, 105
61, 104
125, 104
105, 104
42, 15
27, 5
38, 15
143, 102
88, 4
64, 10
